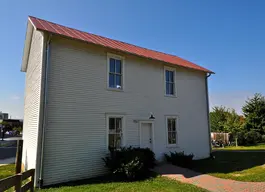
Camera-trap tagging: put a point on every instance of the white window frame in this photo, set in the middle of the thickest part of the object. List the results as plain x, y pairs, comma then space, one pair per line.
118, 57
114, 115
166, 68
177, 128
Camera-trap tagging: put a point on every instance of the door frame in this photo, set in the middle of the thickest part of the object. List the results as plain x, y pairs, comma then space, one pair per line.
152, 134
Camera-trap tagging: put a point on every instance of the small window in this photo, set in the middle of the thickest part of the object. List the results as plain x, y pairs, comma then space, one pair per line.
115, 76
171, 130
115, 126
170, 82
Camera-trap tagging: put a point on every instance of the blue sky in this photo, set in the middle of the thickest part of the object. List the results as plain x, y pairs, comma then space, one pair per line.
224, 36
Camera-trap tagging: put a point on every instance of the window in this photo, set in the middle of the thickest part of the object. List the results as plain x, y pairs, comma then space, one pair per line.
171, 130
115, 72
170, 81
115, 127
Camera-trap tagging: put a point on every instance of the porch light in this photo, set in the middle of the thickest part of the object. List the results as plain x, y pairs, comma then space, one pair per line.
151, 116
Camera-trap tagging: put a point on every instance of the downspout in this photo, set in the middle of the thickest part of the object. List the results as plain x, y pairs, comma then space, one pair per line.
208, 111
44, 112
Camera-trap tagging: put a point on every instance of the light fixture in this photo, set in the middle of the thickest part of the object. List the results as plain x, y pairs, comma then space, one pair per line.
151, 116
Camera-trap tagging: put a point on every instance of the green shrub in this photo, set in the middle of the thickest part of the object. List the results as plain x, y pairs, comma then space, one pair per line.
241, 138
130, 163
248, 138
180, 159
252, 137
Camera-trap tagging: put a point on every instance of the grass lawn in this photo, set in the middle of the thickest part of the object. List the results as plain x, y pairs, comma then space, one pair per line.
157, 184
260, 146
7, 170
241, 166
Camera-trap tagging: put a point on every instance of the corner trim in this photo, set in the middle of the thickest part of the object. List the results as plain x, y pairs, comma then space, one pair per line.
27, 46
208, 111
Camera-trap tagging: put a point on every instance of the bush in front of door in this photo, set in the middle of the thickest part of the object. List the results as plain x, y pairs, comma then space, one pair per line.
130, 163
180, 159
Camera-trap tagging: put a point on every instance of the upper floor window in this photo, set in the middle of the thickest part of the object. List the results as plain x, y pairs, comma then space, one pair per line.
170, 82
115, 72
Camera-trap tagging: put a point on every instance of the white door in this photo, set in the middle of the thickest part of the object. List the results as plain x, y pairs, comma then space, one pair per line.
146, 135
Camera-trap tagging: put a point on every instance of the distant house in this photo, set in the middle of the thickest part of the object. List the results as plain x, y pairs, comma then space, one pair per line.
3, 116
85, 93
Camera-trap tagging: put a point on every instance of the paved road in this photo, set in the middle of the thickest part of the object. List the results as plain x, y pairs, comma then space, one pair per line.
7, 161
12, 138
7, 152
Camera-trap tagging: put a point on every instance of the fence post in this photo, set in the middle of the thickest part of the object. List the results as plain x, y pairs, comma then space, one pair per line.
19, 156
18, 182
32, 181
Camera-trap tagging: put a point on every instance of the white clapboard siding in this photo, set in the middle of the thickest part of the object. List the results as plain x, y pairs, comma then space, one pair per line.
78, 101
32, 101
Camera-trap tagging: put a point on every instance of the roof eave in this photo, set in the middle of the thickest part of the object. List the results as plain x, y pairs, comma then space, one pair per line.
27, 45
74, 39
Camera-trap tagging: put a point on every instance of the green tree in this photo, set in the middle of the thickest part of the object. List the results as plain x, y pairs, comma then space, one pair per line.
223, 119
233, 123
218, 118
254, 112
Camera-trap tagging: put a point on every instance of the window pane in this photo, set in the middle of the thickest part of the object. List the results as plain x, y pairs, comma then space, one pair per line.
169, 138
111, 80
171, 89
114, 140
173, 123
118, 125
118, 141
111, 123
112, 65
167, 75
167, 88
111, 140
118, 66
171, 76
169, 125
173, 138
118, 81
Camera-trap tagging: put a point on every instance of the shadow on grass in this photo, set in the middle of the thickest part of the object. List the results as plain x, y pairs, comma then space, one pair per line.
101, 180
227, 162
224, 162
168, 169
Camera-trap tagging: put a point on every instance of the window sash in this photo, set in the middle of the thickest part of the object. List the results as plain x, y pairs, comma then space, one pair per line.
115, 132
171, 131
170, 76
115, 73
170, 82
115, 140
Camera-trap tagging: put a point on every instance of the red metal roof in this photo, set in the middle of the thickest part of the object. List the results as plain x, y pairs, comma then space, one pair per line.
54, 28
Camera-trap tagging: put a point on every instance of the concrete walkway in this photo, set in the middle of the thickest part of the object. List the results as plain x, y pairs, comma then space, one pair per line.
208, 182
7, 161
